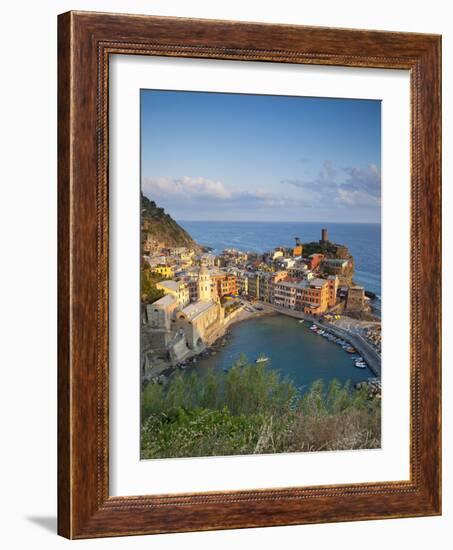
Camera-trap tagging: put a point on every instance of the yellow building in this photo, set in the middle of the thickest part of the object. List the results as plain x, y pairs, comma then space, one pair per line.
164, 270
178, 289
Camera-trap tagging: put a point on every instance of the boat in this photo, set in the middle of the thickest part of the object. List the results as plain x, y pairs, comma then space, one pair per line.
350, 349
360, 365
262, 359
302, 321
313, 327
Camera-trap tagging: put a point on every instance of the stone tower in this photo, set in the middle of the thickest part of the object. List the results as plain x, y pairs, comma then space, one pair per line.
204, 285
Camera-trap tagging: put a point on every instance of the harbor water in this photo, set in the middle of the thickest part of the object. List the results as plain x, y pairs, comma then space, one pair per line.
292, 348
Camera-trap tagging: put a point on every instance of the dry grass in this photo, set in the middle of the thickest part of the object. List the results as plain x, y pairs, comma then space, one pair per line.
251, 411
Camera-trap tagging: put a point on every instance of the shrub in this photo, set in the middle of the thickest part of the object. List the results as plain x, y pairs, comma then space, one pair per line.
251, 410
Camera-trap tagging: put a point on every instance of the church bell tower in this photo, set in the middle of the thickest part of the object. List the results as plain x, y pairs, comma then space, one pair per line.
204, 285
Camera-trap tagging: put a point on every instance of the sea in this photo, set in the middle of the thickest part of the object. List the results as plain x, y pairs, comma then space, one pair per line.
295, 351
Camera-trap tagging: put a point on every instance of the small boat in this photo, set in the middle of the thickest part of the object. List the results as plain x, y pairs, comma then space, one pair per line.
313, 327
302, 321
360, 365
350, 349
262, 359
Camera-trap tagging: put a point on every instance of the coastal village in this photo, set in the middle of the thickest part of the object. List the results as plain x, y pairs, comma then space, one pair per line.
196, 295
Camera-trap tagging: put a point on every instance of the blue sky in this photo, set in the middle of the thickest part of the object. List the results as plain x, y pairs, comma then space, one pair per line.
209, 156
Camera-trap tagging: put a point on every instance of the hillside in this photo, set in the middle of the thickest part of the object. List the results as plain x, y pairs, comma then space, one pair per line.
161, 229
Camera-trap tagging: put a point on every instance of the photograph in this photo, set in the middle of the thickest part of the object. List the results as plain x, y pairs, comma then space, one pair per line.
260, 253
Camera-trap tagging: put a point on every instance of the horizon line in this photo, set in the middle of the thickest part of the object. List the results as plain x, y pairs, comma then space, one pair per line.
180, 220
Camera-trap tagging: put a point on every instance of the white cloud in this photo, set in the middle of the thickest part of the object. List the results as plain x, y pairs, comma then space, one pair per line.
350, 186
200, 190
185, 187
356, 198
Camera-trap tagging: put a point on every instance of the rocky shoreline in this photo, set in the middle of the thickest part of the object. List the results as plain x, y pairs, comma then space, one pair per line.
211, 349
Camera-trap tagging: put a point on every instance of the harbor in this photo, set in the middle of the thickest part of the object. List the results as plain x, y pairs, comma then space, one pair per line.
283, 343
363, 348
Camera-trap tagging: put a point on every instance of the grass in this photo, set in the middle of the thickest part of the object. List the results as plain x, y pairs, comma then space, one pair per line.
252, 410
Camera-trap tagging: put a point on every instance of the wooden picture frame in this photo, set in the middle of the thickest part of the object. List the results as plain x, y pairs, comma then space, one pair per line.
85, 42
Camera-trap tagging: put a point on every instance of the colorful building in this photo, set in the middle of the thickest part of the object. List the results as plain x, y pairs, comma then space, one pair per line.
166, 271
242, 282
226, 283
332, 281
178, 289
311, 297
315, 260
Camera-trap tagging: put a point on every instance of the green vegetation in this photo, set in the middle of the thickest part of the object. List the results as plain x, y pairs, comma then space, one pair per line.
331, 250
149, 292
161, 226
251, 410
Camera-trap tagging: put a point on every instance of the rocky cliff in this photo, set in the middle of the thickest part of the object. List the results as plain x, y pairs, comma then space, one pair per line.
161, 229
